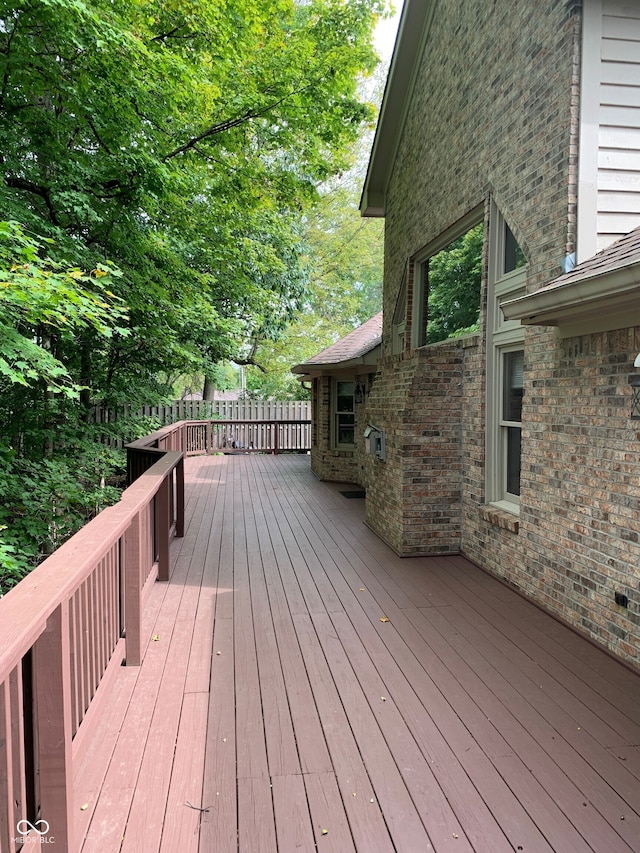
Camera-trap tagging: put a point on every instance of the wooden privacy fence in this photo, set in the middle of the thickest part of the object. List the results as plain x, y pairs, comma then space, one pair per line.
180, 410
64, 631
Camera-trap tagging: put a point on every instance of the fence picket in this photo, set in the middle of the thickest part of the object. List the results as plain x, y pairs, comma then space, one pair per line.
227, 410
193, 410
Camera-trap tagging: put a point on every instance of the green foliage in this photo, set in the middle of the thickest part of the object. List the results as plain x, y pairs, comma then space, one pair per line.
183, 141
45, 501
454, 287
43, 300
345, 256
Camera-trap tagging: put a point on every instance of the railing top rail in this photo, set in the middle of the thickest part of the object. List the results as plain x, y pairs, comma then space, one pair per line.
24, 610
147, 441
235, 421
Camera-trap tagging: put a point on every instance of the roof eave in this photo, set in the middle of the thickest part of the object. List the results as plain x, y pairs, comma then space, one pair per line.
309, 370
593, 296
413, 29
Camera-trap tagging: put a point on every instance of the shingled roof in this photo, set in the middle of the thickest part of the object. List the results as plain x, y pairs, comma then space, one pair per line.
606, 285
350, 350
623, 253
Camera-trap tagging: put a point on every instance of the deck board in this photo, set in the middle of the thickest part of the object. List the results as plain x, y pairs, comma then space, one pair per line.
274, 711
219, 827
183, 815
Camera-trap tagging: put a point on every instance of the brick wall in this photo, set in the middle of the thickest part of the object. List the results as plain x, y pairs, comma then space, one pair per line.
493, 115
580, 516
339, 466
425, 400
579, 528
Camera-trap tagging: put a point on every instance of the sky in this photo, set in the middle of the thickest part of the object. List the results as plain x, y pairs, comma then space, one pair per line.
385, 33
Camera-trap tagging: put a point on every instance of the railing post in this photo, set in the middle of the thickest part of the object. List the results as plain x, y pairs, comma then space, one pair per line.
16, 694
163, 518
209, 439
276, 444
133, 591
8, 829
52, 692
180, 499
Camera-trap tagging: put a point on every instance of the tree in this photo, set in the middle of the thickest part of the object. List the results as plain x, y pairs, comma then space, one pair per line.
179, 143
344, 255
183, 141
41, 298
454, 287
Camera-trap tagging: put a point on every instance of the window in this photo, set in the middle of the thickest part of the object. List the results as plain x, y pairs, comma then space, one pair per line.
399, 319
513, 255
343, 414
446, 283
315, 410
505, 366
510, 424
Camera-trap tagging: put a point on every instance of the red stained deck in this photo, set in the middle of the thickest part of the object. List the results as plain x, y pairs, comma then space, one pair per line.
278, 710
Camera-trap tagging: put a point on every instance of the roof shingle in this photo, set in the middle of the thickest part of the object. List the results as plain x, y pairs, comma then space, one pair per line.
356, 344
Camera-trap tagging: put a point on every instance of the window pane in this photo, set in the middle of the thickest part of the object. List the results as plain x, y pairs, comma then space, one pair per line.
513, 382
514, 257
344, 396
346, 429
513, 460
454, 282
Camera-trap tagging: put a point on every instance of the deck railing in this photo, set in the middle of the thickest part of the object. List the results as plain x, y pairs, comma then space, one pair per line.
64, 631
249, 436
67, 627
217, 436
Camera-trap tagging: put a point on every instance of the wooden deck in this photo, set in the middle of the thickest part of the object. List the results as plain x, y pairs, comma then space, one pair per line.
305, 689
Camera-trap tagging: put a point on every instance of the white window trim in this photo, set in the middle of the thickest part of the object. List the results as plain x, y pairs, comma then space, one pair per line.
503, 426
334, 413
419, 304
399, 332
502, 336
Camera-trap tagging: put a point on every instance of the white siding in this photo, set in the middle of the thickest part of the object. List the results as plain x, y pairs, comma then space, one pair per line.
609, 177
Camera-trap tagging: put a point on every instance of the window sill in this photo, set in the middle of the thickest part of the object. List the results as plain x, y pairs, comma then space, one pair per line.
498, 516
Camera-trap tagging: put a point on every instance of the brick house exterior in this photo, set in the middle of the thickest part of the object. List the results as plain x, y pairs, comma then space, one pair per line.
352, 360
514, 445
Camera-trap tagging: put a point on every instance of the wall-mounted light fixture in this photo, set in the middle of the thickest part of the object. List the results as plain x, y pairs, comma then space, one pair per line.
360, 390
634, 381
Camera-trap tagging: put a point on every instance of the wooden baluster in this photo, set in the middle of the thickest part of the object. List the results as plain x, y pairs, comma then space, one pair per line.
163, 523
180, 499
17, 745
133, 591
52, 690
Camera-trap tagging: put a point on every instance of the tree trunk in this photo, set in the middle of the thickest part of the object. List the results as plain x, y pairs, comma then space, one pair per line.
209, 389
85, 380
